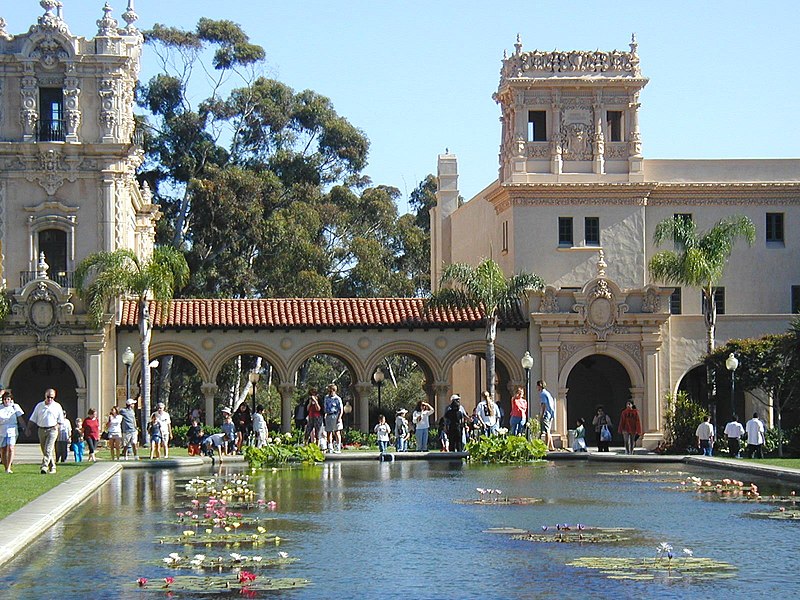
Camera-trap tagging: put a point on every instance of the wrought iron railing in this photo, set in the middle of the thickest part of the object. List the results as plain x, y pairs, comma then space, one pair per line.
51, 130
62, 278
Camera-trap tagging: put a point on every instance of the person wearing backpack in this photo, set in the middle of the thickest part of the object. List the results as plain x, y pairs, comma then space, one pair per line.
454, 417
401, 431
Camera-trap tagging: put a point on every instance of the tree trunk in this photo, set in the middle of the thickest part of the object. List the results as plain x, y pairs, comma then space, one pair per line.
710, 318
144, 340
491, 334
778, 424
165, 379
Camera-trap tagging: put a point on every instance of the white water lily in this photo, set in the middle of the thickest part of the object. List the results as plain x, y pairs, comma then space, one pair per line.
236, 557
283, 554
256, 559
688, 552
200, 557
664, 547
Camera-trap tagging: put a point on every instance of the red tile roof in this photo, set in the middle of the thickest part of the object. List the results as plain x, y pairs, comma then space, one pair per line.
306, 313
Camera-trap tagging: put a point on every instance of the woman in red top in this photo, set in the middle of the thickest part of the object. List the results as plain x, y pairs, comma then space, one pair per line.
314, 423
91, 433
630, 426
519, 412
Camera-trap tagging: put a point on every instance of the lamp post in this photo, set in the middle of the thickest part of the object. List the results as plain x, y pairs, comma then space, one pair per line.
127, 360
378, 378
527, 363
253, 376
732, 363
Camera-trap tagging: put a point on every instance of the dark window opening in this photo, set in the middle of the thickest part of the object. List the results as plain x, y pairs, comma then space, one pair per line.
565, 231
775, 227
505, 236
51, 115
614, 119
675, 301
592, 231
537, 126
795, 299
719, 300
53, 242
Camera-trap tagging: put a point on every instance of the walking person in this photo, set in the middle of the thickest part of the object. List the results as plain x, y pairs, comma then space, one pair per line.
130, 433
705, 436
755, 437
260, 427
154, 433
382, 430
243, 420
315, 415
630, 426
114, 430
579, 445
10, 414
455, 417
332, 404
602, 428
76, 442
548, 412
165, 421
519, 412
401, 430
228, 427
63, 440
488, 415
91, 433
47, 416
421, 420
734, 432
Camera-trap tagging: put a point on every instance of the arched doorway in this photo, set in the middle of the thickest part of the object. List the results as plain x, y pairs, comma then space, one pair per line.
695, 384
469, 381
38, 373
597, 380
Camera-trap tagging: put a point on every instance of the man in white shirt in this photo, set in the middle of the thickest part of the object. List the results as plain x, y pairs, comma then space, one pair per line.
705, 436
755, 437
166, 428
48, 416
734, 432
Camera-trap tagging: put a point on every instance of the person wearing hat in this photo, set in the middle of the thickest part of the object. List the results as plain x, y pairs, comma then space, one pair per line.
130, 432
10, 412
454, 418
166, 428
228, 427
401, 430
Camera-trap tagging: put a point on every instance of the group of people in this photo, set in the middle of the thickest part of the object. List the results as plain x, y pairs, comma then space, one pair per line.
322, 419
753, 432
630, 427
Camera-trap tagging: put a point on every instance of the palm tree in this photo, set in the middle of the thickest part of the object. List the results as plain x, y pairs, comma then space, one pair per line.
484, 288
104, 277
700, 258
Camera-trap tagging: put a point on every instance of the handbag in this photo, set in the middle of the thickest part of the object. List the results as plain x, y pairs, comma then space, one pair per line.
605, 434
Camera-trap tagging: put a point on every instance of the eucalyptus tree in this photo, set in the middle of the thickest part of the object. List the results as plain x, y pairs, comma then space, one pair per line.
486, 288
102, 278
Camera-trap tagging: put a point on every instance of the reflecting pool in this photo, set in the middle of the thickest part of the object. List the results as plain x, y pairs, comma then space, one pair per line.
390, 530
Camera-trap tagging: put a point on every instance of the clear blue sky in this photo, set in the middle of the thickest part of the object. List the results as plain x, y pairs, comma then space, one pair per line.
418, 76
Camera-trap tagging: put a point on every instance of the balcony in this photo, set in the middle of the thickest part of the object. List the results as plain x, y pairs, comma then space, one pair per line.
51, 130
62, 278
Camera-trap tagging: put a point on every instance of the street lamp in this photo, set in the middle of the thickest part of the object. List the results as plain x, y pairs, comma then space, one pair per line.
378, 378
527, 363
127, 360
732, 363
253, 377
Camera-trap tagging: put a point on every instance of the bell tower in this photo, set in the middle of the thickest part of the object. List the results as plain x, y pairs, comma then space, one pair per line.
570, 116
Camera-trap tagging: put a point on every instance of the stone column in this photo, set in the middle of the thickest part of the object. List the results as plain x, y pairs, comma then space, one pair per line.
362, 391
598, 145
442, 391
550, 345
208, 389
556, 161
286, 391
94, 377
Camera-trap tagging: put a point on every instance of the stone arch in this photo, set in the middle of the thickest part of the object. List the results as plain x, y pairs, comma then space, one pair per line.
20, 358
251, 348
680, 379
625, 359
340, 351
425, 358
510, 362
162, 348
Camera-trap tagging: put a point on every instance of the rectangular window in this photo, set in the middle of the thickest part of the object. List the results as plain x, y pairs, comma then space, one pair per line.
719, 299
676, 302
565, 231
591, 231
795, 299
505, 236
775, 228
614, 122
51, 115
537, 126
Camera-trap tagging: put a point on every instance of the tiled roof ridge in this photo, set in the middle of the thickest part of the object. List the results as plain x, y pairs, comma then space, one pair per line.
323, 313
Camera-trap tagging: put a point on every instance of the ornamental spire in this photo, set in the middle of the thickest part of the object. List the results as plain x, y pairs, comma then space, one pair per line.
518, 45
107, 26
3, 32
634, 44
130, 16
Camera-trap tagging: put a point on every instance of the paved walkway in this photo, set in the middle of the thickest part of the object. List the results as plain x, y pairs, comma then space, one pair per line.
25, 525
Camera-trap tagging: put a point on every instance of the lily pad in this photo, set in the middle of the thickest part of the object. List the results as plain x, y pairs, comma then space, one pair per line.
584, 535
199, 562
781, 514
228, 539
688, 569
509, 501
216, 585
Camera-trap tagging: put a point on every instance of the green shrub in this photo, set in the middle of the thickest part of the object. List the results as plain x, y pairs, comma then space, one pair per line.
791, 441
681, 419
354, 436
179, 433
279, 452
506, 449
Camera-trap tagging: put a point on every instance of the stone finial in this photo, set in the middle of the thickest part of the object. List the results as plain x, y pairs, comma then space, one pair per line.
601, 264
634, 44
147, 194
107, 26
3, 32
42, 267
518, 45
130, 16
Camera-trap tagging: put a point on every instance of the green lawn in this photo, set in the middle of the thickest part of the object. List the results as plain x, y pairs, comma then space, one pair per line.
792, 463
26, 483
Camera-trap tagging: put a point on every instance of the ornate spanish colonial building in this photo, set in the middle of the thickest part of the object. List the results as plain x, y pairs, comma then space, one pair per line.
576, 202
68, 160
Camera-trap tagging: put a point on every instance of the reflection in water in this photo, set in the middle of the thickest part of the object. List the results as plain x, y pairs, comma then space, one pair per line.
359, 527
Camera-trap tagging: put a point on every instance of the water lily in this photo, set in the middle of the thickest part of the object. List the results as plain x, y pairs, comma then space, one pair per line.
200, 557
175, 556
246, 576
283, 554
663, 548
142, 581
544, 527
257, 559
272, 505
209, 530
688, 552
277, 540
236, 557
261, 529
169, 581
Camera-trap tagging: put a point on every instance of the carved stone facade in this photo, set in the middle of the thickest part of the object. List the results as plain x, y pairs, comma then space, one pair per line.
68, 160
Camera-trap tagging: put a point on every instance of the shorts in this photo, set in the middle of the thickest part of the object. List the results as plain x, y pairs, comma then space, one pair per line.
332, 422
115, 436
129, 438
9, 440
547, 421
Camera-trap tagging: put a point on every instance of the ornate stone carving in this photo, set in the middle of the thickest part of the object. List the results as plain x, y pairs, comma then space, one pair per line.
577, 141
3, 33
599, 305
616, 150
651, 302
51, 169
50, 22
634, 351
549, 302
41, 308
49, 52
107, 26
567, 351
538, 149
76, 351
574, 61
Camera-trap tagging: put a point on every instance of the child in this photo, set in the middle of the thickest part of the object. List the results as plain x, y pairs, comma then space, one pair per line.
229, 429
260, 427
216, 441
401, 431
383, 430
194, 436
77, 440
580, 437
154, 431
443, 440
